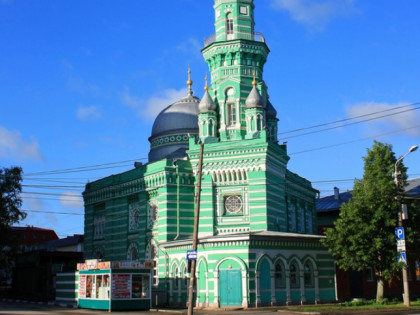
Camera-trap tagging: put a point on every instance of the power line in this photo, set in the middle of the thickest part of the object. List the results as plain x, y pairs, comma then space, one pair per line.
353, 141
101, 166
351, 118
51, 194
85, 168
53, 212
44, 198
55, 187
349, 124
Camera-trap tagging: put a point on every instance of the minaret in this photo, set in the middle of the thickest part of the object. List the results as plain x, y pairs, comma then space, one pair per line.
254, 112
207, 118
233, 53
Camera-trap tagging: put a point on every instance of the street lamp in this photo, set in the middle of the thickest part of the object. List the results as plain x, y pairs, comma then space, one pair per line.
406, 295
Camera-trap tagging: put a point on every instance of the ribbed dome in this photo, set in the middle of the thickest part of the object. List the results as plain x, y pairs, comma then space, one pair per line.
174, 126
207, 104
254, 99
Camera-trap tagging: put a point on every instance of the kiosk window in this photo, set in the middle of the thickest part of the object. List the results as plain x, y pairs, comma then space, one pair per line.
89, 286
139, 286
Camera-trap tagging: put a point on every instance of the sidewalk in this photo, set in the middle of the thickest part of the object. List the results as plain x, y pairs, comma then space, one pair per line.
57, 308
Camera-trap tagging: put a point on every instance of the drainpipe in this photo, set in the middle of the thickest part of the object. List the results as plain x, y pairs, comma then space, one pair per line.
177, 200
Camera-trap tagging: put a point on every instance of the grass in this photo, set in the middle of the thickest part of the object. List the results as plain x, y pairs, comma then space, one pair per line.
356, 305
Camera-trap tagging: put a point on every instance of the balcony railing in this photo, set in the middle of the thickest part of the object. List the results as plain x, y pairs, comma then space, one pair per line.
255, 36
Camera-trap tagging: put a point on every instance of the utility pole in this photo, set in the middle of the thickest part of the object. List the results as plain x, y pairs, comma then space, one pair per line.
195, 231
406, 295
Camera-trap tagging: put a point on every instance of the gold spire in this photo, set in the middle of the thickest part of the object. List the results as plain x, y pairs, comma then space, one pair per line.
206, 87
254, 81
189, 82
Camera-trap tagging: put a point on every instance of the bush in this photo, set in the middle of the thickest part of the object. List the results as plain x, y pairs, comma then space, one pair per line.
383, 301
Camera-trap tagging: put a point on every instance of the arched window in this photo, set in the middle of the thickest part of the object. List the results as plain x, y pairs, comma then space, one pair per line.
132, 253
231, 115
294, 275
308, 274
229, 25
186, 278
176, 278
279, 275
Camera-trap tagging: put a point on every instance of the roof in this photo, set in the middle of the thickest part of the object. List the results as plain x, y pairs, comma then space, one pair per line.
68, 241
30, 235
332, 203
413, 187
414, 192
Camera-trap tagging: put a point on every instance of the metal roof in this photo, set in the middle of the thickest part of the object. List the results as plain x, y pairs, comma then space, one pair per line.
332, 203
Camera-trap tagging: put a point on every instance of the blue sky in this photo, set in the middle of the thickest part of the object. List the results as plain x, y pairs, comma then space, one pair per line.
82, 81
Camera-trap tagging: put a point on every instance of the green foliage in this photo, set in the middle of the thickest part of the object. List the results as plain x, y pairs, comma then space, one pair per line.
10, 202
357, 302
364, 234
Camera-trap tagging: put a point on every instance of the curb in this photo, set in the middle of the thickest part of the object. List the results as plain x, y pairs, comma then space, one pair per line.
297, 313
47, 303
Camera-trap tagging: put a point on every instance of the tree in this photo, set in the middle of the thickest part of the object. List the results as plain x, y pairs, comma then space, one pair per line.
364, 234
10, 202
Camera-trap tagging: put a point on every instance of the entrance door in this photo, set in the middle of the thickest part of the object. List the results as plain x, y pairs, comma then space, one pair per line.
356, 284
230, 287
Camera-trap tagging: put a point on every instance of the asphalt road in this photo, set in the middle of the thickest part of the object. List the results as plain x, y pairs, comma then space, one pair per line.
27, 308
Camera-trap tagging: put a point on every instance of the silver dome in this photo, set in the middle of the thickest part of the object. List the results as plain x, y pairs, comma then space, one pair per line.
173, 127
207, 105
270, 111
254, 99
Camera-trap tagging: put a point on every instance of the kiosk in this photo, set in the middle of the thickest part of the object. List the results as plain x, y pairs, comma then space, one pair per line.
114, 285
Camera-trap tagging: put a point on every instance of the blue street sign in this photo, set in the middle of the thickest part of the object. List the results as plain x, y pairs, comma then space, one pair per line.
191, 254
399, 232
402, 257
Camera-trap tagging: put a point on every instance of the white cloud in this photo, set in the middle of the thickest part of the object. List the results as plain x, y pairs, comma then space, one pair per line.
315, 13
155, 104
71, 200
396, 117
88, 113
13, 146
191, 45
34, 203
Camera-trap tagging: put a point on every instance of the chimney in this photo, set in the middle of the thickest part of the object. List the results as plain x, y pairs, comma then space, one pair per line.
336, 193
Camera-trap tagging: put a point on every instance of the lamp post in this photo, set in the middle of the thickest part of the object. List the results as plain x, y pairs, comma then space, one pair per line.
406, 295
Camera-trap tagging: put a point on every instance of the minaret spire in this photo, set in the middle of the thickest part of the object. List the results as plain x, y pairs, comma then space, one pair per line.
189, 82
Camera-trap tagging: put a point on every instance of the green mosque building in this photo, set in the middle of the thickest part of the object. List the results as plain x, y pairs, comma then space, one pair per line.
257, 242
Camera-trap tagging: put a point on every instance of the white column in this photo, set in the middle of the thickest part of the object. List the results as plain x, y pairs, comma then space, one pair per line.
244, 289
197, 287
316, 279
257, 289
206, 301
216, 289
288, 296
171, 290
302, 287
179, 283
273, 288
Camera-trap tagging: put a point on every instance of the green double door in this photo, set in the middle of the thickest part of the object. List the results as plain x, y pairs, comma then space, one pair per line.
230, 287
